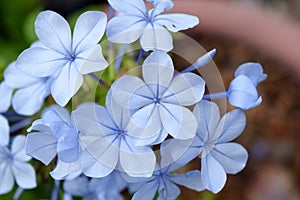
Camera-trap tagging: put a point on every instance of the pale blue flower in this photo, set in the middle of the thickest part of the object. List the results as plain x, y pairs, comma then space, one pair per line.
108, 143
242, 91
4, 131
13, 166
63, 57
31, 91
134, 21
158, 100
6, 96
105, 188
253, 71
213, 144
164, 181
56, 135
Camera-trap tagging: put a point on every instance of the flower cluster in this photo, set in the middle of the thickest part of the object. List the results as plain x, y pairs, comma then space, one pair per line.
150, 125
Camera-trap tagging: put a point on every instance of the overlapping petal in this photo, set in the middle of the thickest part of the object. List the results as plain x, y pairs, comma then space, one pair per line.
185, 89
231, 156
156, 37
146, 192
190, 180
24, 174
53, 31
7, 179
242, 93
88, 30
41, 146
71, 80
253, 71
133, 7
231, 126
213, 176
136, 161
6, 95
4, 131
176, 22
40, 62
125, 29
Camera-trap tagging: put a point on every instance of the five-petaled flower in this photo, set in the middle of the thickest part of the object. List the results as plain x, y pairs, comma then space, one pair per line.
135, 21
64, 58
13, 162
158, 101
108, 144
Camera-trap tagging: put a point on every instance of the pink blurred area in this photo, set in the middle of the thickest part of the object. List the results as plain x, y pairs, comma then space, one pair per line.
244, 31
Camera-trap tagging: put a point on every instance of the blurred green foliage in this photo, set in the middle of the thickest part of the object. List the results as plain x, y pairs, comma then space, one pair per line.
16, 28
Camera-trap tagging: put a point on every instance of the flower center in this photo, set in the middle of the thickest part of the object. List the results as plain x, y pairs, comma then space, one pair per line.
207, 148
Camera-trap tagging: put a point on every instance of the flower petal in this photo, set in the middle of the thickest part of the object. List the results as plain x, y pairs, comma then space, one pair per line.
180, 122
158, 69
29, 100
7, 179
136, 161
146, 191
53, 31
242, 93
18, 148
64, 170
6, 95
71, 80
77, 187
177, 22
146, 124
125, 29
232, 156
191, 180
133, 7
185, 89
4, 131
99, 158
131, 92
156, 37
93, 119
177, 153
168, 190
24, 174
40, 62
213, 176
91, 60
68, 146
253, 71
15, 78
230, 126
88, 30
41, 146
208, 116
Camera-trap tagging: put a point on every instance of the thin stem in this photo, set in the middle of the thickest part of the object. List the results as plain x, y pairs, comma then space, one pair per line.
18, 193
21, 124
54, 195
189, 69
140, 56
218, 95
100, 81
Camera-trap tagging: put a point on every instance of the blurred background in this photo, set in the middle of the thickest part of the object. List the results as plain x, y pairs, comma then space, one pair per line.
264, 31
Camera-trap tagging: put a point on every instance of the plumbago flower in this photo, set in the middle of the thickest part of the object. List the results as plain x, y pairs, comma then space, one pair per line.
6, 95
62, 57
108, 187
158, 100
135, 21
164, 181
108, 144
56, 134
242, 91
31, 93
213, 144
13, 162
